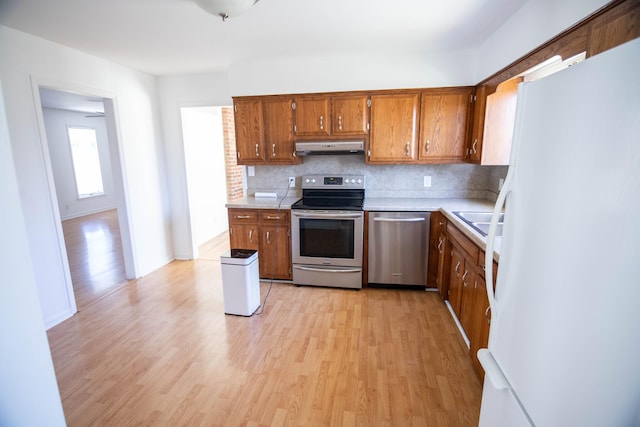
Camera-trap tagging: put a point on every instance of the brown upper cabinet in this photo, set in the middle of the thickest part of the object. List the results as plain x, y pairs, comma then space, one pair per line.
331, 115
249, 131
444, 120
611, 29
614, 24
500, 116
394, 128
264, 130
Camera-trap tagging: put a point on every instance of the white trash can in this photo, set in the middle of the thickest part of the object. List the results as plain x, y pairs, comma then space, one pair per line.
240, 281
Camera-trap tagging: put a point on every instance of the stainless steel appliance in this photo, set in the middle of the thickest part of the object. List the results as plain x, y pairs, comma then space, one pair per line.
305, 148
398, 248
327, 229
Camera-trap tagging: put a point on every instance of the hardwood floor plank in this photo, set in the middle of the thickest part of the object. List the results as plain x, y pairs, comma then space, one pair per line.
161, 351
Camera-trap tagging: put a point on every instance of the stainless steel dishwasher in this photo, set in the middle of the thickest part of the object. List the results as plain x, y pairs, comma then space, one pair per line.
398, 248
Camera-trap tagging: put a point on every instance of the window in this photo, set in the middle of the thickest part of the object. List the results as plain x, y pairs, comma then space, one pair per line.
86, 161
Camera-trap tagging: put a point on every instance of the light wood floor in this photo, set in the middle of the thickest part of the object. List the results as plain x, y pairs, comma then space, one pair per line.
94, 251
161, 351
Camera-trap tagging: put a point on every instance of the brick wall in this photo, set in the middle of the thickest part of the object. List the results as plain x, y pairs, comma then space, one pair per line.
233, 171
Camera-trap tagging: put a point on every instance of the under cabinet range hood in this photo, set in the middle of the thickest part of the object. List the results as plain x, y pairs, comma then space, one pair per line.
305, 148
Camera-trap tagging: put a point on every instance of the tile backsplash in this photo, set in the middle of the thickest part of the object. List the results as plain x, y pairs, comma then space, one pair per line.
458, 180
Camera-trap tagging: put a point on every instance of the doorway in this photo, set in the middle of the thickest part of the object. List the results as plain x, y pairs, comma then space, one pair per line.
90, 219
212, 175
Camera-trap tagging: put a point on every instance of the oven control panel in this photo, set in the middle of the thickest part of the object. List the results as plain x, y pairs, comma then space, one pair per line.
333, 181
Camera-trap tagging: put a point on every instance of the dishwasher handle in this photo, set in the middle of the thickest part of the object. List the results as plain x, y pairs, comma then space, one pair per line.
382, 219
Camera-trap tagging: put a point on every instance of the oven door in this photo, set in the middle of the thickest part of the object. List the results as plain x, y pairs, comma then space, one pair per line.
330, 238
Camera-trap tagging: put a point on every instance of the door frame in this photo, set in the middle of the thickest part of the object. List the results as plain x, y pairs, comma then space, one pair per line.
117, 166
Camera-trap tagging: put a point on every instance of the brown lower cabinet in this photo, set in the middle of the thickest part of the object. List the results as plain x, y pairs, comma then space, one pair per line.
456, 265
267, 231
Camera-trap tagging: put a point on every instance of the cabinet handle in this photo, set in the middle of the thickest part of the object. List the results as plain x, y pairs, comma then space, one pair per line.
340, 122
243, 216
428, 146
473, 147
238, 154
230, 230
268, 238
251, 235
464, 276
457, 266
440, 244
257, 152
321, 123
273, 150
407, 149
441, 223
272, 217
486, 314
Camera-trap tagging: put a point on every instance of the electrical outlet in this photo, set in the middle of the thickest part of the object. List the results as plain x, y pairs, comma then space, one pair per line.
292, 181
427, 181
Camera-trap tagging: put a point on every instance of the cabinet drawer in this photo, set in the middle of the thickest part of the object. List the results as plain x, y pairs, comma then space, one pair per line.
242, 216
462, 241
281, 217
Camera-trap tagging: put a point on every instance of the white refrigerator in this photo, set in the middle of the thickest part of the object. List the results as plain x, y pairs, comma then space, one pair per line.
564, 344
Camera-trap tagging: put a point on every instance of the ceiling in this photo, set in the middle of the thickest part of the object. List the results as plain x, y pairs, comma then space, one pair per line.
165, 37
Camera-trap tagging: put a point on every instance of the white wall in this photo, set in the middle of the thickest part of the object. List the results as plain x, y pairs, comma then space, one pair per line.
532, 25
26, 58
29, 393
56, 122
206, 177
306, 74
195, 90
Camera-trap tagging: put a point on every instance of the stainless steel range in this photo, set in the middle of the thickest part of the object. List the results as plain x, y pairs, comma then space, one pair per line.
327, 229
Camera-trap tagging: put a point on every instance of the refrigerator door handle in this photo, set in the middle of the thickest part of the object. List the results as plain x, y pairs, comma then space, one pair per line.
492, 370
491, 236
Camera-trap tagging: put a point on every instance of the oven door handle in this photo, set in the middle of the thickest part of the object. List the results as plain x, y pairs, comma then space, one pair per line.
399, 219
327, 270
327, 216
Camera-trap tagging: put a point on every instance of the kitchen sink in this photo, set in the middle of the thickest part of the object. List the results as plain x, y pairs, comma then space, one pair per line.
479, 221
478, 216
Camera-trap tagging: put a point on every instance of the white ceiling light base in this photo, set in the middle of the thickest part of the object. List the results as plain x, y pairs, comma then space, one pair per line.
226, 8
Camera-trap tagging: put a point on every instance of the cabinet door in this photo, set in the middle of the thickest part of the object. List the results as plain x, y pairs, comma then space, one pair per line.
499, 122
394, 124
455, 279
477, 129
275, 252
312, 116
469, 285
437, 246
350, 115
249, 131
481, 318
278, 130
443, 125
244, 236
615, 27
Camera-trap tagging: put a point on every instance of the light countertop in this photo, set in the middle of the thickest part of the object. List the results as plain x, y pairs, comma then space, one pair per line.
445, 205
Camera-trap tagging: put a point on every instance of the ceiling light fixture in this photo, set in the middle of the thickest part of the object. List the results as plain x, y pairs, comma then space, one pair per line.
226, 8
